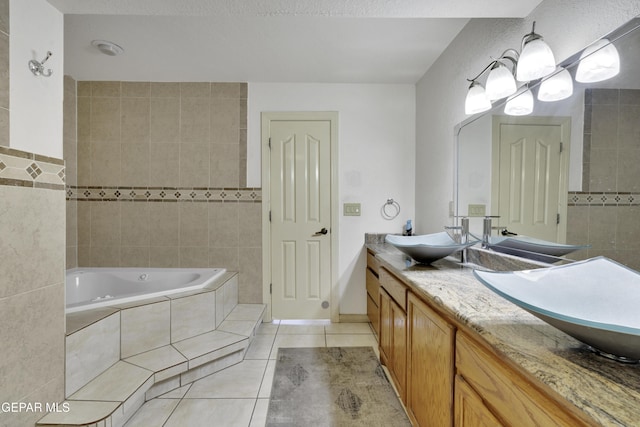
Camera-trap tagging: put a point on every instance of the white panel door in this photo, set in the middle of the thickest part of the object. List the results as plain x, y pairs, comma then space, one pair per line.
530, 173
300, 219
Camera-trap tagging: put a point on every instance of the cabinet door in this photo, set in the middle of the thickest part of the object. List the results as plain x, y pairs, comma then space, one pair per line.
399, 349
374, 316
373, 297
430, 367
385, 327
469, 408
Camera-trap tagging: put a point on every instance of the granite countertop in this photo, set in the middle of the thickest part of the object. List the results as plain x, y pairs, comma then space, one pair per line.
605, 390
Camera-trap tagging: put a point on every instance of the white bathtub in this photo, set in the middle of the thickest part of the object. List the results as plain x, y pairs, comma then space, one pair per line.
88, 288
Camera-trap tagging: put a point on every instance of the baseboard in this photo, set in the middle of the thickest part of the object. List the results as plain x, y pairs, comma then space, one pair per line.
354, 318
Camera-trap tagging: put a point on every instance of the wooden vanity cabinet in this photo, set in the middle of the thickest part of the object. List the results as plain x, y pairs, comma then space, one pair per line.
469, 408
393, 329
502, 393
430, 365
449, 376
373, 292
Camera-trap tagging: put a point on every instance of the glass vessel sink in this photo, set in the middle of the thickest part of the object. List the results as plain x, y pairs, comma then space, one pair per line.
595, 301
427, 248
532, 248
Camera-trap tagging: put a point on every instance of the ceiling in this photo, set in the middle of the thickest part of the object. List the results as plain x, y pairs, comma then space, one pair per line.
332, 41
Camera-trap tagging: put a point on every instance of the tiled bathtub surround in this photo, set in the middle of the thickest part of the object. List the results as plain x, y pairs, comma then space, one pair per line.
166, 142
120, 356
31, 284
606, 214
162, 134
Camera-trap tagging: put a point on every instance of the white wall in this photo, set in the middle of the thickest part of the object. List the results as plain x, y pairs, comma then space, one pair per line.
376, 126
36, 102
566, 25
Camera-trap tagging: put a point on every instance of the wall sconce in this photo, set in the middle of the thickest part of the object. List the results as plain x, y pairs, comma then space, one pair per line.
37, 68
536, 58
598, 62
500, 83
477, 100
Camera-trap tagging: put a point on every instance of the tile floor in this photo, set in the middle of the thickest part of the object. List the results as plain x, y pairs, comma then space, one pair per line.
240, 393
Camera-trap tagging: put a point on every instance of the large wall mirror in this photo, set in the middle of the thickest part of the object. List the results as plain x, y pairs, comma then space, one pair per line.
586, 156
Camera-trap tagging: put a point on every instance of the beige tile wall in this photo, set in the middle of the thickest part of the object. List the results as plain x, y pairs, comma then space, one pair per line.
31, 272
70, 150
4, 73
181, 136
606, 214
31, 298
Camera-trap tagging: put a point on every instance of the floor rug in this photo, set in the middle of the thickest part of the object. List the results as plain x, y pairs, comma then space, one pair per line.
335, 386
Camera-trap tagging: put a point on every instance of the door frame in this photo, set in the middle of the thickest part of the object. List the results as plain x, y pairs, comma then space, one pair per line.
266, 117
565, 125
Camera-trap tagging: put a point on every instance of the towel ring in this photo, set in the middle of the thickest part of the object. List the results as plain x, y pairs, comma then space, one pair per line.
390, 209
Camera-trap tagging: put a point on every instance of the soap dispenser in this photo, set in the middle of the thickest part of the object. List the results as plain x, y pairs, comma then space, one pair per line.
408, 229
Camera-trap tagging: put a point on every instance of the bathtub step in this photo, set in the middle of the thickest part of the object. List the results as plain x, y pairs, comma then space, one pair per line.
114, 396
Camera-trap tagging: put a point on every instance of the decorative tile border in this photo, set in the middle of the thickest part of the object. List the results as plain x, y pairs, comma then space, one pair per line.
24, 169
164, 194
577, 198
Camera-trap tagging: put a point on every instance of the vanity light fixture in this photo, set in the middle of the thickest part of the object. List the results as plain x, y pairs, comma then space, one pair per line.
556, 87
534, 61
520, 104
477, 100
598, 62
536, 58
107, 47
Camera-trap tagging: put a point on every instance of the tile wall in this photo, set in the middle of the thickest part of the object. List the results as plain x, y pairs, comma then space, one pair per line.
161, 179
4, 73
32, 331
31, 267
70, 148
606, 214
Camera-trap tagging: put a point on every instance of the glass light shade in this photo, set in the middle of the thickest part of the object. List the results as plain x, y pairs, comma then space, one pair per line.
476, 101
598, 62
520, 104
556, 87
536, 61
500, 82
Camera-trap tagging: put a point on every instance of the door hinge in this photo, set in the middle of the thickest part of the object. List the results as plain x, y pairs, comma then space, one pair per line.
561, 147
557, 219
269, 143
270, 288
269, 216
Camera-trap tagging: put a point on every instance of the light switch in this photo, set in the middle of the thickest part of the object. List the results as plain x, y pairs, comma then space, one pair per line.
477, 210
351, 209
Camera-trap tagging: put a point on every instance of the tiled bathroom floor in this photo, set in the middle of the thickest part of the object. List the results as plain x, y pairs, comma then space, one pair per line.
239, 395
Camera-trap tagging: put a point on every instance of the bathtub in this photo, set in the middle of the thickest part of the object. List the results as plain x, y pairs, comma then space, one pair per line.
88, 288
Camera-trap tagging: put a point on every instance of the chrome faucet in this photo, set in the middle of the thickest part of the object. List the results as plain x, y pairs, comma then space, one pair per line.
464, 229
487, 228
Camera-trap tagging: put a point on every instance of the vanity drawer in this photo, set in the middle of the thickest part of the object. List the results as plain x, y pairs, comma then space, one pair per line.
394, 287
511, 396
373, 263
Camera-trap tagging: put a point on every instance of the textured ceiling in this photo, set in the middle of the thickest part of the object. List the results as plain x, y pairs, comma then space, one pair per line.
336, 41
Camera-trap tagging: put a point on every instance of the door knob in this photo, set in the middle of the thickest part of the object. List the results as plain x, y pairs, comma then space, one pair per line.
321, 232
